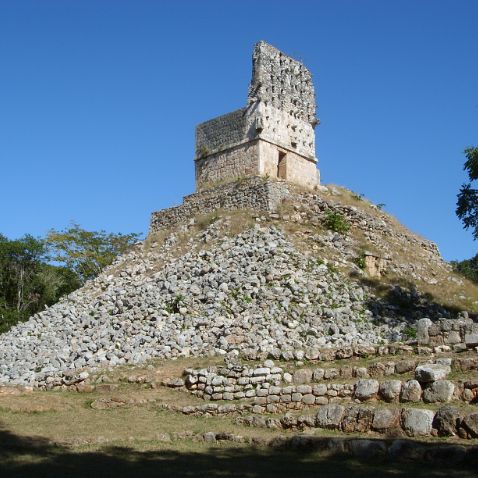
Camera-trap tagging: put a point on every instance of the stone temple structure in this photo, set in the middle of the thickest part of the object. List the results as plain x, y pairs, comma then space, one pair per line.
250, 158
272, 136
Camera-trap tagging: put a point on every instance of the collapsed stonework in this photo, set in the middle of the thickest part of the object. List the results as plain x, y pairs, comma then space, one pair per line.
272, 136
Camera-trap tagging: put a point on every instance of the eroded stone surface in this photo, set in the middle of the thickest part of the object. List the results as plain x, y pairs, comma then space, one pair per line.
431, 372
417, 422
439, 391
447, 420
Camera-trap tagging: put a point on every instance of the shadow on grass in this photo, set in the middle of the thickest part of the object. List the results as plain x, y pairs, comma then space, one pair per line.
35, 457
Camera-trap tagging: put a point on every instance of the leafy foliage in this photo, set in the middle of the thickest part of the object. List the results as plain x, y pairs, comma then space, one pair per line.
410, 332
27, 281
360, 261
467, 204
336, 222
468, 268
35, 273
87, 252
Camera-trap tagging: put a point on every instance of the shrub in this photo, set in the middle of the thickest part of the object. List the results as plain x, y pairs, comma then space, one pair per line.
410, 332
360, 261
336, 222
172, 307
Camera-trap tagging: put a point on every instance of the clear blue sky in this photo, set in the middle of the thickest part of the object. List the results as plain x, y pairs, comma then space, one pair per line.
99, 100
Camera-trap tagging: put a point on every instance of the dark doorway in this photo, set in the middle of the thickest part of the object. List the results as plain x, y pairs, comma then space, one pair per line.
281, 166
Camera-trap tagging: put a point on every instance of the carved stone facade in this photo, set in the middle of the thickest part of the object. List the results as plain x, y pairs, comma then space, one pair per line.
273, 136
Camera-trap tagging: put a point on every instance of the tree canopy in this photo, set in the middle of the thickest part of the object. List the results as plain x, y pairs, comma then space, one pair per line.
467, 204
87, 252
36, 272
28, 282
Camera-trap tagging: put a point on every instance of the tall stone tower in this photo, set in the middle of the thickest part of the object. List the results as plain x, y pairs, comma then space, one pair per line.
273, 136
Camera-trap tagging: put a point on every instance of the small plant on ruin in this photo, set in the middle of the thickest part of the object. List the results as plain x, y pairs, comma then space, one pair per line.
360, 261
336, 222
172, 307
331, 268
357, 197
202, 152
410, 332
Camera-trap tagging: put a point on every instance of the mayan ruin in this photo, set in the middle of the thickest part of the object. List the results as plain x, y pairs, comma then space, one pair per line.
273, 136
273, 314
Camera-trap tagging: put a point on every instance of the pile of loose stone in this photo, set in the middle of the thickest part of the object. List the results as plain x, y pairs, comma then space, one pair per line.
252, 294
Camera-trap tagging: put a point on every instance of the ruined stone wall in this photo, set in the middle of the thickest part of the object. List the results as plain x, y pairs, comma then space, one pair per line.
252, 193
458, 334
282, 82
237, 162
280, 111
223, 132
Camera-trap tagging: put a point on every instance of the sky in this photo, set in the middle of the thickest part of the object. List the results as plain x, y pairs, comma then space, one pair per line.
99, 100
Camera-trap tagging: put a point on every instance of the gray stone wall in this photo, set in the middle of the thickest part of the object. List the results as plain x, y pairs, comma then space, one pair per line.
223, 132
251, 193
238, 162
282, 82
458, 334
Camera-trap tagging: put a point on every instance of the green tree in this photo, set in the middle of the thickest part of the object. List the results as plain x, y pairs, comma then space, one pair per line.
87, 252
467, 204
27, 281
468, 268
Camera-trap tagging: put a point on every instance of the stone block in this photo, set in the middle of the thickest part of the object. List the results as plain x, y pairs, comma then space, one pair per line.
262, 392
422, 331
261, 371
308, 399
389, 390
385, 420
318, 374
446, 421
366, 389
361, 372
357, 419
471, 340
329, 416
411, 391
470, 424
452, 337
330, 373
439, 391
304, 389
319, 390
427, 373
302, 376
417, 422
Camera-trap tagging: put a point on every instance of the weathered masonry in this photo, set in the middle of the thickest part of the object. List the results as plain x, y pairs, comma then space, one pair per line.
273, 136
